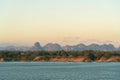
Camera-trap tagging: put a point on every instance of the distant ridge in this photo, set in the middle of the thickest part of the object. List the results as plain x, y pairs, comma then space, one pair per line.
52, 47
56, 47
81, 47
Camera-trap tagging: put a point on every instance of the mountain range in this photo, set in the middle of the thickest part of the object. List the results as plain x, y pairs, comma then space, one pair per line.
57, 47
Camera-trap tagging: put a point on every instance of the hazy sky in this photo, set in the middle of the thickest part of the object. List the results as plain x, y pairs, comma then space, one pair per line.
61, 21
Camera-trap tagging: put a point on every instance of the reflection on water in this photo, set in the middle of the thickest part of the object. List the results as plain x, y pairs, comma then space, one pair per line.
59, 71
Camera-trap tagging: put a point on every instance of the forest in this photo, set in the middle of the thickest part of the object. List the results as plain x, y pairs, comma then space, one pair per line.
60, 56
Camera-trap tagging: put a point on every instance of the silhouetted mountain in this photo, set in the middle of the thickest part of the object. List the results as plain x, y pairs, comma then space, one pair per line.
68, 48
93, 47
118, 49
37, 46
107, 47
52, 47
57, 47
14, 48
80, 47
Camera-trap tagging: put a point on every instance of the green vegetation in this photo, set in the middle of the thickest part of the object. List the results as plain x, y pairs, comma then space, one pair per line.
88, 55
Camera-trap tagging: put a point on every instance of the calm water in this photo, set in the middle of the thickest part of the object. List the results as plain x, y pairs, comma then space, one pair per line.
59, 71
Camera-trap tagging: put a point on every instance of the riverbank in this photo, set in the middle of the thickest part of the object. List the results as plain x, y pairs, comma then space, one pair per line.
59, 56
79, 59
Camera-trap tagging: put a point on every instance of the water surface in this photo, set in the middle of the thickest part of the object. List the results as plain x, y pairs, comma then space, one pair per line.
59, 71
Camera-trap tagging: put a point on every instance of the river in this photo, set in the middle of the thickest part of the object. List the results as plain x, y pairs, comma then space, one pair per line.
59, 71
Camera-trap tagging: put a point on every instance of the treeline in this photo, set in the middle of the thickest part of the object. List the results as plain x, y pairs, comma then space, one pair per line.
88, 55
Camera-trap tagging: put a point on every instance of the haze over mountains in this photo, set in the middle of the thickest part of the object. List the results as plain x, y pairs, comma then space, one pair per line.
57, 47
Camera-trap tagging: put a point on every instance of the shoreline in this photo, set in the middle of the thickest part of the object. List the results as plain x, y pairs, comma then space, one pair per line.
59, 56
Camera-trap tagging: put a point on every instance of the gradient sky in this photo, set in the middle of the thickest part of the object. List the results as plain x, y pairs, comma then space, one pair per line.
60, 21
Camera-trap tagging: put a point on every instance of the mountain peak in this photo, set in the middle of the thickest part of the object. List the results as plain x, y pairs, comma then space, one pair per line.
37, 46
57, 47
52, 47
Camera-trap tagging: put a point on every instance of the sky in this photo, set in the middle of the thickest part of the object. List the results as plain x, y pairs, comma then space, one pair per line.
60, 21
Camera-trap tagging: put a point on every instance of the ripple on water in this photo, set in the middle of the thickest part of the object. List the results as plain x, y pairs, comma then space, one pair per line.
59, 71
